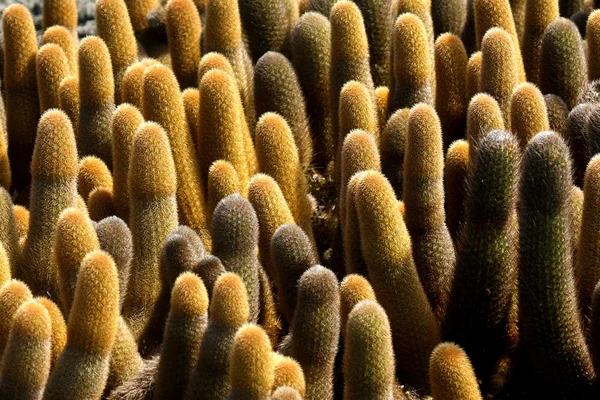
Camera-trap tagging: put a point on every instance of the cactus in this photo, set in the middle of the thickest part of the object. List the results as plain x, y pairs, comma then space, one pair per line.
26, 360
286, 393
423, 197
101, 204
451, 97
349, 58
528, 113
448, 16
52, 68
5, 172
114, 27
209, 268
92, 173
548, 322
456, 168
288, 373
595, 327
22, 104
382, 94
593, 133
268, 318
357, 110
165, 107
5, 272
9, 232
12, 295
586, 270
252, 365
474, 75
368, 354
291, 253
576, 136
235, 238
354, 289
59, 329
126, 121
483, 116
222, 182
214, 61
267, 25
413, 67
223, 34
318, 304
54, 171
557, 113
191, 104
82, 368
115, 238
563, 60
391, 268
354, 262
451, 374
69, 102
221, 133
569, 7
393, 148
593, 43
498, 13
125, 361
480, 302
97, 102
62, 37
228, 312
378, 23
183, 31
311, 49
153, 215
278, 156
538, 15
467, 34
272, 212
75, 237
277, 89
60, 12
132, 85
138, 10
499, 73
21, 220
183, 335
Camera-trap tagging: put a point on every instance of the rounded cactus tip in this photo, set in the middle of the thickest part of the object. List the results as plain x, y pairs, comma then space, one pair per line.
251, 368
189, 295
321, 284
286, 393
412, 60
235, 214
55, 152
32, 320
229, 305
451, 374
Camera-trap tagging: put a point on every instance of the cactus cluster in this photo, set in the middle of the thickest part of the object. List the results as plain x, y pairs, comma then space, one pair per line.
300, 199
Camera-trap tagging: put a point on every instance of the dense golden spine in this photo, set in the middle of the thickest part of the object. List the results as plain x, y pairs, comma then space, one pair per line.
53, 188
593, 46
12, 295
474, 75
228, 312
252, 365
221, 133
125, 361
59, 329
52, 68
138, 10
286, 393
184, 31
349, 56
82, 368
10, 232
92, 173
132, 86
153, 215
235, 234
191, 104
22, 104
456, 168
162, 103
114, 27
353, 290
357, 110
451, 95
5, 172
222, 181
483, 116
311, 51
499, 73
75, 237
318, 305
69, 102
354, 261
100, 204
126, 121
392, 147
563, 61
423, 197
278, 157
538, 15
528, 113
391, 268
183, 335
369, 363
288, 373
412, 65
62, 37
97, 101
60, 12
5, 272
451, 374
26, 361
223, 34
277, 90
22, 222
